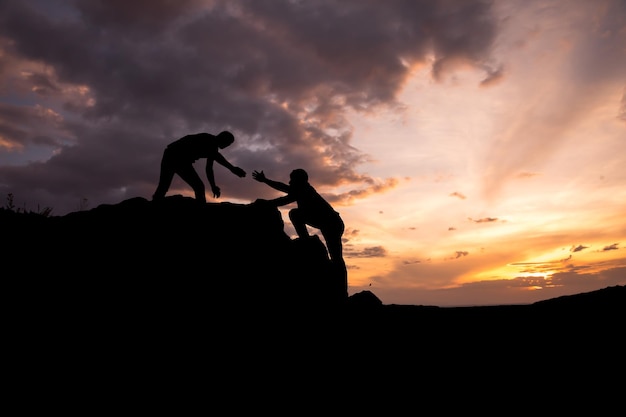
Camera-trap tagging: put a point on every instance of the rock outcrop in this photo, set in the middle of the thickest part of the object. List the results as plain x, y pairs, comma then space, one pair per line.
175, 254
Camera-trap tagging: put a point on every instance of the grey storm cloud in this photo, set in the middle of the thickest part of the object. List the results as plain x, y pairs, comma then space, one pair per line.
280, 74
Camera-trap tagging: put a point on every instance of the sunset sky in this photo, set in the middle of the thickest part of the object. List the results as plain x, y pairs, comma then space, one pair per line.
476, 150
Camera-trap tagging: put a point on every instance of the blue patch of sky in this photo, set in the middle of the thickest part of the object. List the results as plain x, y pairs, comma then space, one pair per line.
31, 154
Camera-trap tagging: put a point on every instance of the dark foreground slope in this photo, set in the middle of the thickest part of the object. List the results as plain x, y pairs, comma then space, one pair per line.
185, 264
141, 306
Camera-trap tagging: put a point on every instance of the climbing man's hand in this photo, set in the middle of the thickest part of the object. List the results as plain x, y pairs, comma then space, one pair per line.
259, 176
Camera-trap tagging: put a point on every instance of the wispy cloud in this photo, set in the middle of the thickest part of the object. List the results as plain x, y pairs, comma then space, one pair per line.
578, 248
369, 252
484, 220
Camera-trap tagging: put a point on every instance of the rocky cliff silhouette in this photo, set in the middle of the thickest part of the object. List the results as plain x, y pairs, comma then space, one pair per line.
175, 250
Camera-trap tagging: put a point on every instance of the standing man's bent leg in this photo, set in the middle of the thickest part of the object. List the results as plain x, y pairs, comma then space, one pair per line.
168, 169
191, 177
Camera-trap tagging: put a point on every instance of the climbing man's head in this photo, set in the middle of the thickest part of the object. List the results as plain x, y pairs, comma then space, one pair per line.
299, 176
224, 139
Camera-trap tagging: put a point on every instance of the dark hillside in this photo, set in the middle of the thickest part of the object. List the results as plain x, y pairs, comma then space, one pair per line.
139, 298
179, 259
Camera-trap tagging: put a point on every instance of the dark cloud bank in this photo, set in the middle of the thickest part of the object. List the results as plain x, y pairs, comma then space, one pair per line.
107, 84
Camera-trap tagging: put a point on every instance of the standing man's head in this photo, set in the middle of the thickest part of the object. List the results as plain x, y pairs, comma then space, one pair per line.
298, 177
225, 139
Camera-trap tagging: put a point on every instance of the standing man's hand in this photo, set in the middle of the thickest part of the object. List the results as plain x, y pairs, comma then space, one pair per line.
216, 191
238, 172
259, 176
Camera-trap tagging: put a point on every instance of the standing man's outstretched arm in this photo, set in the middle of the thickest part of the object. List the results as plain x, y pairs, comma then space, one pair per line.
219, 158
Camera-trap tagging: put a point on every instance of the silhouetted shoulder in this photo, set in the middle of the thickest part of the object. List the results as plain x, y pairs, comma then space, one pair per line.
309, 199
196, 138
194, 146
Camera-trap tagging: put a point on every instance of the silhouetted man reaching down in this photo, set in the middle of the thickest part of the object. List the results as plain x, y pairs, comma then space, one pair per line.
179, 156
313, 210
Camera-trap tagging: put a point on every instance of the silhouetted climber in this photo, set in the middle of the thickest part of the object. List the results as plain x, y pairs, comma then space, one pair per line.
313, 210
179, 156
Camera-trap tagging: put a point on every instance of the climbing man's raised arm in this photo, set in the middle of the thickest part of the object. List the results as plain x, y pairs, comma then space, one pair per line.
260, 177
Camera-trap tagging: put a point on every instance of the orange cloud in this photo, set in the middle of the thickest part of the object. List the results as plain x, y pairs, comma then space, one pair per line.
611, 247
349, 197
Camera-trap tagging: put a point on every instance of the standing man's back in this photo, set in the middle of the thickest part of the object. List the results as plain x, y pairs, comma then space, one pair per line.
179, 156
